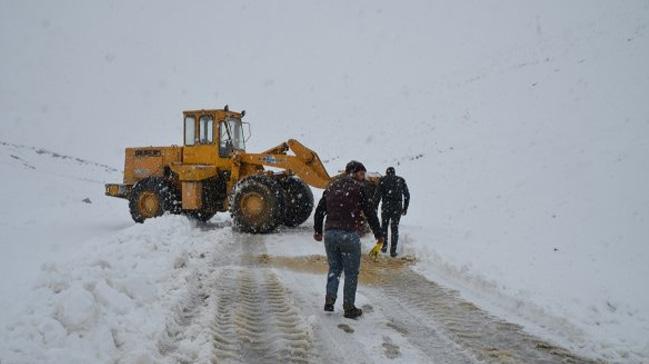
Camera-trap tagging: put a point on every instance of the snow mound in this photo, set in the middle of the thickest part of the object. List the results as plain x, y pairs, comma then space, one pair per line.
109, 307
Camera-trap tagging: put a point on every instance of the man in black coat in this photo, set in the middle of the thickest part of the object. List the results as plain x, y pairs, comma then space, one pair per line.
393, 191
344, 203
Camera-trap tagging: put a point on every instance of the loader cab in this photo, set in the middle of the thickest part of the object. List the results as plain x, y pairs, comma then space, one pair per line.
212, 134
231, 136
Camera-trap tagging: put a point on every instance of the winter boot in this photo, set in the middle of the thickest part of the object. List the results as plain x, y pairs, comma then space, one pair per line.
384, 248
352, 311
393, 253
329, 303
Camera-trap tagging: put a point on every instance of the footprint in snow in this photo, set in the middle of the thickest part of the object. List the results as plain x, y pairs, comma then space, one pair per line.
392, 351
346, 328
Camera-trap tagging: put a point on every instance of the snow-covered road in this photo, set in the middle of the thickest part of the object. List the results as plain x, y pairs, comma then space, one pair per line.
172, 291
260, 304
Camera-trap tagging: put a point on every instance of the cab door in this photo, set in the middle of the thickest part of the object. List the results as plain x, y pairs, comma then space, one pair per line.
201, 144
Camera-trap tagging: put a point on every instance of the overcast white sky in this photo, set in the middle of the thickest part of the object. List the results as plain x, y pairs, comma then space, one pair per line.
92, 77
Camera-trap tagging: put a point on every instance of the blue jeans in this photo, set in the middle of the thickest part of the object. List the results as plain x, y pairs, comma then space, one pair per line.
343, 254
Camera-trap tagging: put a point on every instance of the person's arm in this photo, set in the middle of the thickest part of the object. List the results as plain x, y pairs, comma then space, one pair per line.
406, 196
377, 196
370, 214
319, 216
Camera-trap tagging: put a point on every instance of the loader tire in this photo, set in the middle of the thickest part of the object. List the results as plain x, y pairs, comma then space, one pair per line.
298, 201
152, 197
257, 204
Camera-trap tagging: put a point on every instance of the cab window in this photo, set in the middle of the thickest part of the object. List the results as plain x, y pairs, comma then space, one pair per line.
231, 136
190, 130
207, 130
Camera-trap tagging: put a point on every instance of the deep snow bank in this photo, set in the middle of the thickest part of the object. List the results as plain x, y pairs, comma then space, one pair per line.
110, 300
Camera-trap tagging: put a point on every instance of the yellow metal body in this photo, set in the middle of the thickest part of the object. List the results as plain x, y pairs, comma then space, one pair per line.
193, 172
192, 195
200, 159
305, 163
149, 161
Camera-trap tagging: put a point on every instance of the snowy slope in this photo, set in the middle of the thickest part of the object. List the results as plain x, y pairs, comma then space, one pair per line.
45, 216
521, 129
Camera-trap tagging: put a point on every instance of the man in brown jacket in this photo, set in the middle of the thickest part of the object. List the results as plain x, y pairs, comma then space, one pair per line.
344, 202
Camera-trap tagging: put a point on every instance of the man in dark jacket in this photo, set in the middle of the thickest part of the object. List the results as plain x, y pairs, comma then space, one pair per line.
393, 191
344, 202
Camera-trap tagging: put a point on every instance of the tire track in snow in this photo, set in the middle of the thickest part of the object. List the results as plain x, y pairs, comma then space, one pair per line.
383, 333
255, 322
419, 333
251, 317
183, 314
194, 305
433, 319
487, 337
255, 319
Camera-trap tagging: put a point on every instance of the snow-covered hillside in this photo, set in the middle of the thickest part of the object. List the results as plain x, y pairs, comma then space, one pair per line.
54, 204
520, 127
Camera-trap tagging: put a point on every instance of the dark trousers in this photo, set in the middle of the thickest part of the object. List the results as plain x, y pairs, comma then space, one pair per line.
343, 254
391, 218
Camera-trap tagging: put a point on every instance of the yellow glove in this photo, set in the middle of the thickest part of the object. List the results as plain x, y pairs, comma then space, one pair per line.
376, 250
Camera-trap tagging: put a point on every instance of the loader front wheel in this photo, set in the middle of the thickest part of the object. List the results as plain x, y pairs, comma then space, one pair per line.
299, 201
257, 204
152, 197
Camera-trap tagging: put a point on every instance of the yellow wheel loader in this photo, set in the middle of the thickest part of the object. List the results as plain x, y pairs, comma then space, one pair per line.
212, 172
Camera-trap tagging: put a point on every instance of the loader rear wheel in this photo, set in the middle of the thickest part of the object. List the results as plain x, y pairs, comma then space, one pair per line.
152, 197
299, 201
257, 204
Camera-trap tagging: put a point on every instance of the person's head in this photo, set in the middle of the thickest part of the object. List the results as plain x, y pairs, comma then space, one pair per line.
390, 171
356, 170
